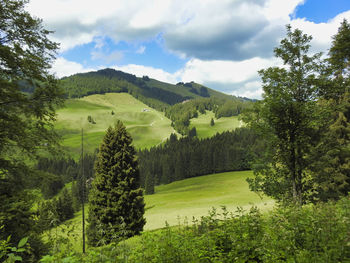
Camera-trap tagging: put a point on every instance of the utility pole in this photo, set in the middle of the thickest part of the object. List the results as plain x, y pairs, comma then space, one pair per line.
83, 187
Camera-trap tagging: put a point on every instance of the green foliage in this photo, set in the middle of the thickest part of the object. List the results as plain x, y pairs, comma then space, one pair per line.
212, 123
26, 54
29, 96
288, 119
12, 254
330, 172
315, 233
91, 120
17, 218
55, 211
149, 184
181, 113
116, 204
189, 156
50, 185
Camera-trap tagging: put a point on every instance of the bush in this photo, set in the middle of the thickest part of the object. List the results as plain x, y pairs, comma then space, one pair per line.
315, 233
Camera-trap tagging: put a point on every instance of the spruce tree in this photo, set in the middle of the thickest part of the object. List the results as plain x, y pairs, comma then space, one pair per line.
212, 123
116, 204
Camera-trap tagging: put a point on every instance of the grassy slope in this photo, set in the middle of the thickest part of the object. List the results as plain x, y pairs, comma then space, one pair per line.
195, 196
188, 198
204, 130
147, 128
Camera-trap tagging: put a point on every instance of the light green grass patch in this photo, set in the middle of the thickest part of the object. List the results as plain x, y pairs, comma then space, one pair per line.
204, 130
188, 198
147, 126
196, 196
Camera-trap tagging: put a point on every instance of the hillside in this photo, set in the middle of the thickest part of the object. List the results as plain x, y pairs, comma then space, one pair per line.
196, 196
150, 91
180, 102
205, 130
180, 201
147, 126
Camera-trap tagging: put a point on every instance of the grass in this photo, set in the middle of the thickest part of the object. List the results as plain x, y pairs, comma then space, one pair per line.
195, 197
188, 198
204, 130
147, 127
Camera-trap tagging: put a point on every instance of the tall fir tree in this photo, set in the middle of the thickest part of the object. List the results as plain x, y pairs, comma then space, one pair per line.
331, 168
116, 204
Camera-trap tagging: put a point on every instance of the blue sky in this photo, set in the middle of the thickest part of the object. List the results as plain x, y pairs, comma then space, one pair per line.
221, 44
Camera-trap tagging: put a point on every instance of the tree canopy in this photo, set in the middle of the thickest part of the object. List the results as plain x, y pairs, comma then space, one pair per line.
304, 118
29, 94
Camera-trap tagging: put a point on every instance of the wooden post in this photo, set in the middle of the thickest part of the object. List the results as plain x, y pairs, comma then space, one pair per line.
83, 187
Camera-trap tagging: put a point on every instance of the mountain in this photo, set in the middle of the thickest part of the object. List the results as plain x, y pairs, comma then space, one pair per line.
154, 93
165, 97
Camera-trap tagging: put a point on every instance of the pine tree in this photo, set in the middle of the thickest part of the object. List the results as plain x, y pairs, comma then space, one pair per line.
212, 123
331, 169
149, 184
116, 204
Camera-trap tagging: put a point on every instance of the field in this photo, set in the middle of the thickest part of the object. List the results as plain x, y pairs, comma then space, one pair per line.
147, 126
173, 203
204, 130
196, 196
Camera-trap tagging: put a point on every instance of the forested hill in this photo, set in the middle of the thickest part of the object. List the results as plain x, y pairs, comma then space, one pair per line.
159, 95
156, 94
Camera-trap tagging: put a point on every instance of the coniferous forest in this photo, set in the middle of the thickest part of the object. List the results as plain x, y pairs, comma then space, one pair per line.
295, 141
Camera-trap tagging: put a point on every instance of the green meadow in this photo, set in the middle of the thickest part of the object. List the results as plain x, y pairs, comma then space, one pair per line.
196, 196
180, 201
204, 130
147, 126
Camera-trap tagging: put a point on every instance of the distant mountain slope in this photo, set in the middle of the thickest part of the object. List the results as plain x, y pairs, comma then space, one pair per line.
152, 92
165, 97
95, 113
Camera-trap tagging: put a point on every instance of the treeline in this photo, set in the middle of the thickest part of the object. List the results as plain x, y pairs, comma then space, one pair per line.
109, 80
54, 173
187, 157
180, 114
61, 203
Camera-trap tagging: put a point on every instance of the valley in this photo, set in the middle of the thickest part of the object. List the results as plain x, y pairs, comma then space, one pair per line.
147, 126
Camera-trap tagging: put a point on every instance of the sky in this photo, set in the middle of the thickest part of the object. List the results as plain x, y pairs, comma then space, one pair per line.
218, 43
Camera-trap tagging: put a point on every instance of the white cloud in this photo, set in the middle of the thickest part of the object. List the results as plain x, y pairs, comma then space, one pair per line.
141, 50
62, 68
224, 71
203, 29
226, 41
192, 27
151, 72
322, 32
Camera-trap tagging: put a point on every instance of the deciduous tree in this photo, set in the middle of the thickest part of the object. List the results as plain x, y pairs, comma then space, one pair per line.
288, 119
